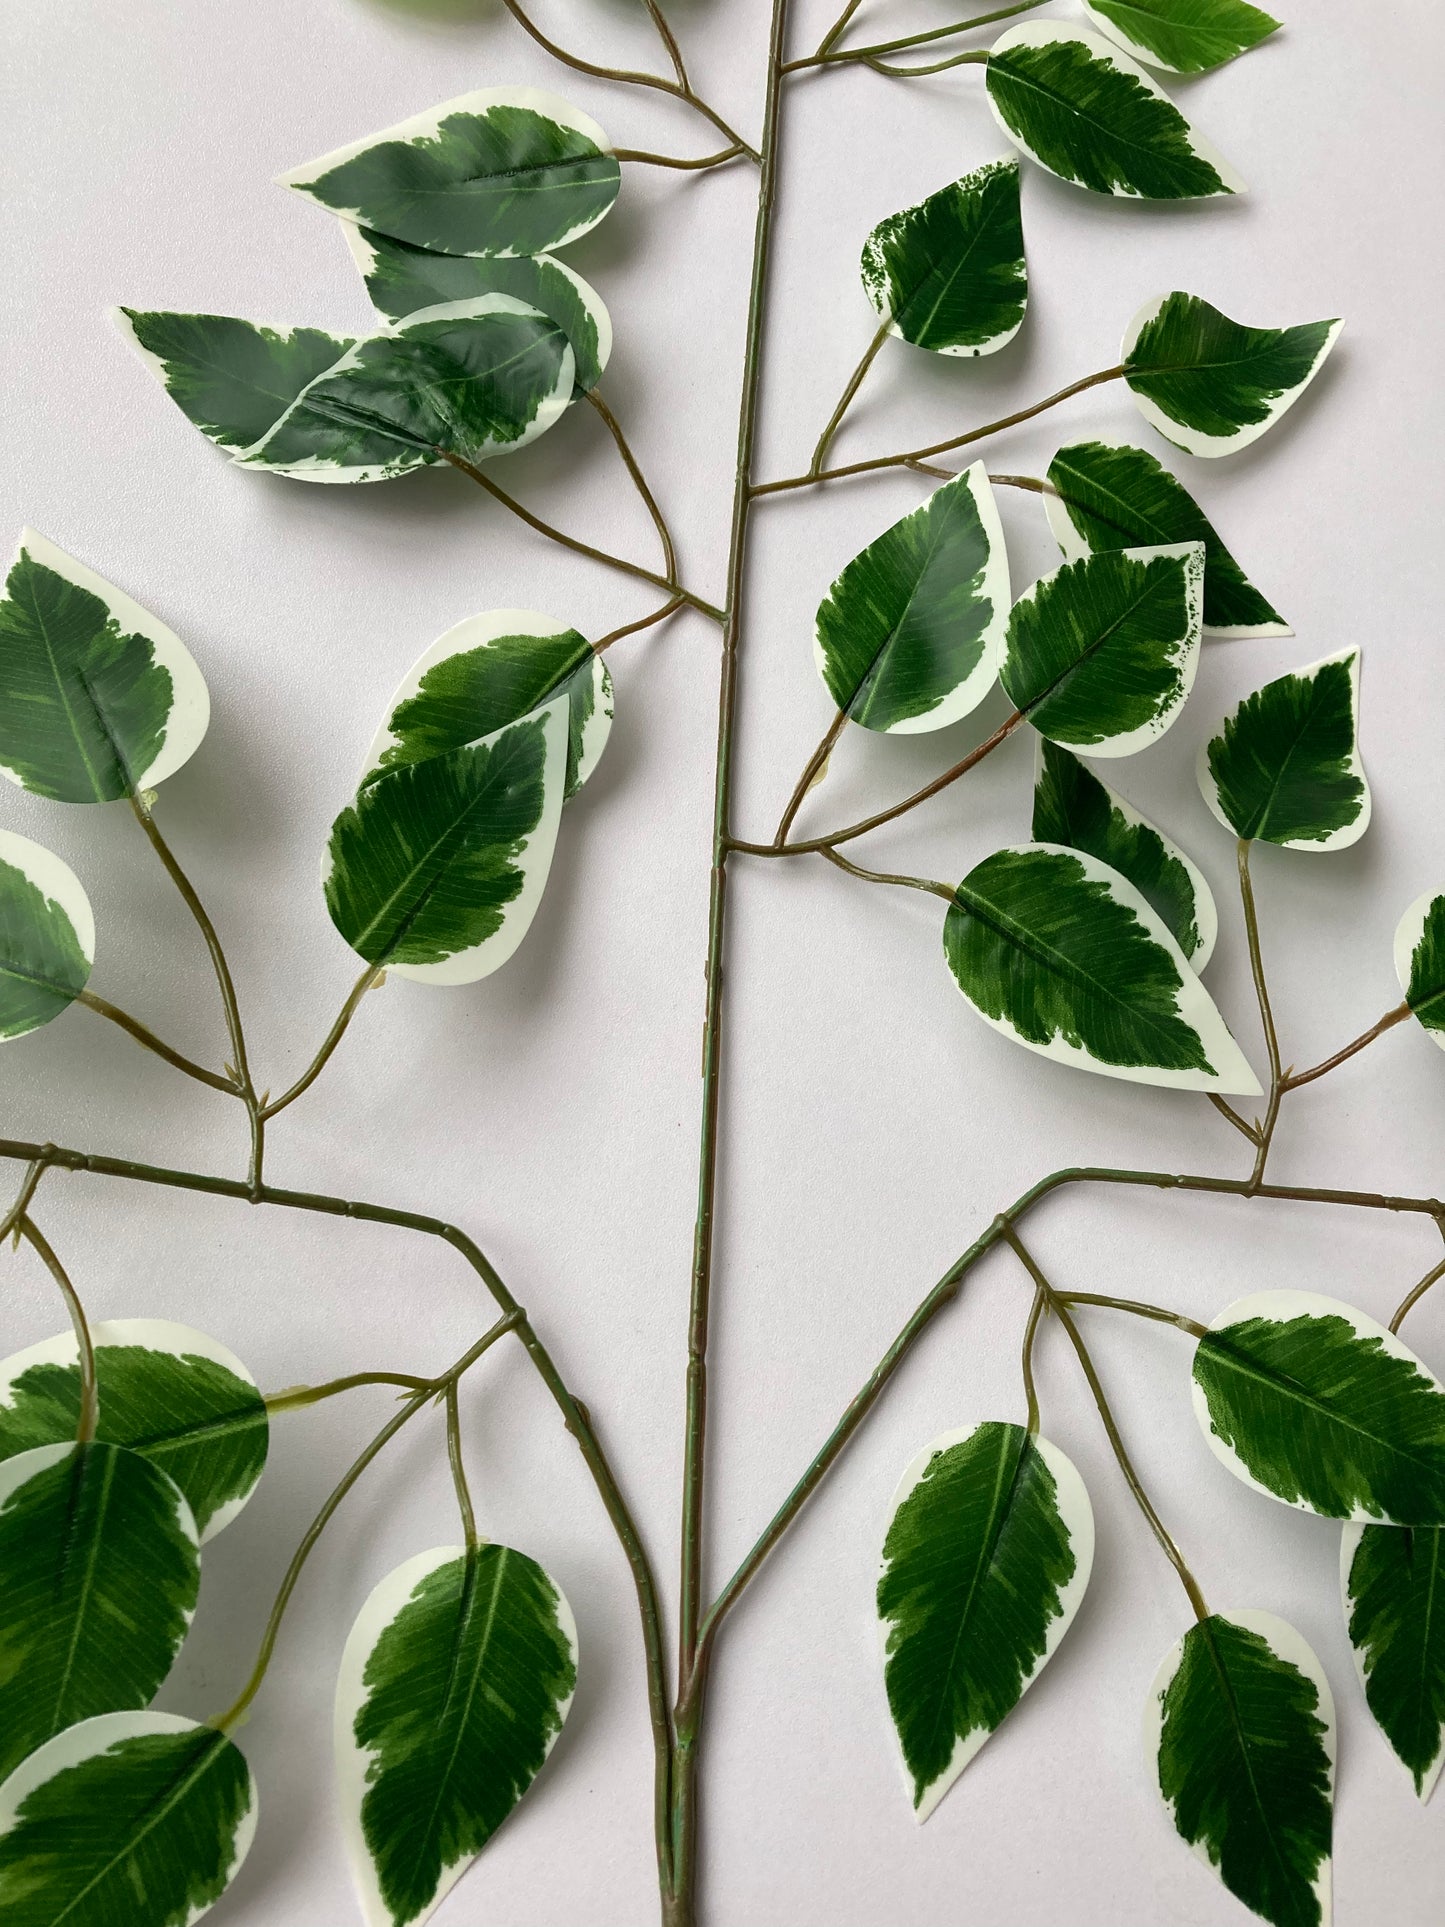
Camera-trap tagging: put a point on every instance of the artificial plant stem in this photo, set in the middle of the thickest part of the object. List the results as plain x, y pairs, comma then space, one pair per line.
669, 41
28, 1188
701, 165
1031, 1394
975, 57
826, 57
639, 482
845, 400
370, 976
89, 1401
1226, 1109
1412, 1298
1159, 1313
934, 888
296, 1396
459, 1470
631, 628
1266, 1012
1398, 1015
133, 1027
836, 31
811, 771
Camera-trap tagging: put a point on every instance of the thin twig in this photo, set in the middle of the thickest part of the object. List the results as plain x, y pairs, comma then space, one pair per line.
1031, 1395
631, 628
459, 1470
1412, 1298
974, 58
11, 1222
639, 482
838, 28
669, 41
368, 978
295, 1397
845, 400
1140, 1309
1266, 1013
933, 888
89, 1397
133, 1027
1226, 1109
700, 165
825, 57
1399, 1015
812, 770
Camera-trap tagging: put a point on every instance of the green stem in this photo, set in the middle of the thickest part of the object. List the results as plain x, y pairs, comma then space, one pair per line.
1031, 1395
30, 1185
89, 1400
369, 977
294, 1397
1412, 1298
639, 482
845, 400
838, 28
1266, 1012
1139, 1308
699, 166
974, 58
825, 57
811, 771
669, 41
459, 1470
631, 628
147, 1039
933, 888
1227, 1110
1399, 1015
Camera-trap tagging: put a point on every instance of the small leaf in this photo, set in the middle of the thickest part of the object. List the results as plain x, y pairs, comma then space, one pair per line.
503, 171
1286, 768
910, 635
454, 1685
126, 1820
1079, 107
47, 936
987, 1556
438, 867
1061, 954
1392, 1579
172, 1394
1073, 808
97, 698
1420, 961
949, 274
1311, 1402
232, 378
1209, 384
1240, 1732
402, 279
1182, 36
489, 671
99, 1552
1102, 653
1106, 495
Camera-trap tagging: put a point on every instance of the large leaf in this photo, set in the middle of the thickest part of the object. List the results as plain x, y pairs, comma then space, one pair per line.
949, 274
1393, 1582
99, 1552
505, 170
454, 1685
438, 867
1182, 36
1240, 1734
1083, 109
988, 1552
1102, 653
402, 279
170, 1393
126, 1820
1211, 385
1105, 495
47, 936
910, 635
1063, 955
1420, 961
489, 671
1311, 1402
97, 698
1072, 807
1286, 767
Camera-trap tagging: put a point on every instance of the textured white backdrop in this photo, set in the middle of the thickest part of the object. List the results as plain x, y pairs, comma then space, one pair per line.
872, 1124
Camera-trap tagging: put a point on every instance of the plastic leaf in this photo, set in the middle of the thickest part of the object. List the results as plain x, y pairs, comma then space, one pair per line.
1286, 768
988, 1552
232, 378
437, 869
910, 635
1072, 807
99, 1552
503, 171
1239, 1729
489, 671
454, 1685
1106, 495
1391, 1580
172, 1394
127, 1820
1182, 36
1420, 961
1209, 384
1084, 110
47, 936
949, 274
1063, 955
1102, 653
1313, 1403
97, 698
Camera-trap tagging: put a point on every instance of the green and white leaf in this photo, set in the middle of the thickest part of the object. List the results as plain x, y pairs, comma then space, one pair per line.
1239, 1733
949, 274
436, 871
1107, 495
1313, 1403
126, 1820
1063, 955
454, 1685
502, 171
175, 1395
1420, 961
989, 1548
1286, 767
910, 636
1073, 808
489, 671
1101, 654
102, 1567
1210, 385
402, 279
1391, 1579
97, 698
47, 936
1182, 36
1079, 106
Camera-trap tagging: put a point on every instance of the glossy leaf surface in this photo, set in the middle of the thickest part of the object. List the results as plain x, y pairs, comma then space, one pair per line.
1393, 1582
949, 274
1182, 36
1286, 767
47, 936
232, 378
1420, 961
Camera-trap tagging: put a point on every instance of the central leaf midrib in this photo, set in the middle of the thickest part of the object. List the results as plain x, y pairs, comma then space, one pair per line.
61, 691
934, 540
75, 1502
1150, 588
1122, 140
976, 240
1236, 1721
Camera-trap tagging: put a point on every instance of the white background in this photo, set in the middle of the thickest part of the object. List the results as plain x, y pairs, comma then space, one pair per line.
872, 1124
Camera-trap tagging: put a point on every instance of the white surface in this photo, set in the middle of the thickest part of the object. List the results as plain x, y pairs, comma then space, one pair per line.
872, 1127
